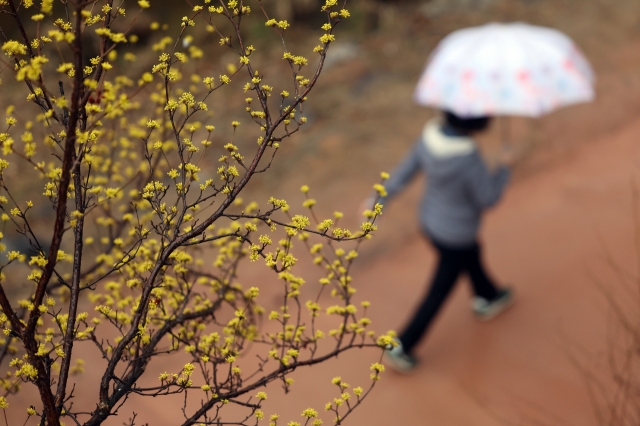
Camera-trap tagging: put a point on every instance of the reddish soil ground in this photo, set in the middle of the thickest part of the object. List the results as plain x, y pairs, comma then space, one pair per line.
550, 238
568, 210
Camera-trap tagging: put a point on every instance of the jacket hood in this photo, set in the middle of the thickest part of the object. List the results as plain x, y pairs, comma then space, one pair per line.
441, 145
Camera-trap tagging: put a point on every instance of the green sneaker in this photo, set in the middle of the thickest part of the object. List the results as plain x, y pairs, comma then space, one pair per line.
488, 309
398, 359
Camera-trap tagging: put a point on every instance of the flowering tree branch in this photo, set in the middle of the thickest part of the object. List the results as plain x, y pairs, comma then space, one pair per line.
133, 174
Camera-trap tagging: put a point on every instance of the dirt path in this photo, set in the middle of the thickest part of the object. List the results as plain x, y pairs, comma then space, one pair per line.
548, 238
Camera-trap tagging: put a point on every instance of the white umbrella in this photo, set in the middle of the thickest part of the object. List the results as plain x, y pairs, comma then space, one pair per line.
505, 69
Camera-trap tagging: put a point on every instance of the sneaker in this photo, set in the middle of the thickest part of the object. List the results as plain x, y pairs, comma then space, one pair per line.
487, 309
398, 359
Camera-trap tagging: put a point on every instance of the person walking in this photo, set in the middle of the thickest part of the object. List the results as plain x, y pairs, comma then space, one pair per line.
459, 189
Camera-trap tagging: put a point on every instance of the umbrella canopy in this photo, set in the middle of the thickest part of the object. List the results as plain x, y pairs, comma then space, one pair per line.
505, 69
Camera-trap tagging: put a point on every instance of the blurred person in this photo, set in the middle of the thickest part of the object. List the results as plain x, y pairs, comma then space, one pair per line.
460, 187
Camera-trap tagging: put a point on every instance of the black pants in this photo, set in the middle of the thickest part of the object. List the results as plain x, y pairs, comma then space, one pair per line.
453, 261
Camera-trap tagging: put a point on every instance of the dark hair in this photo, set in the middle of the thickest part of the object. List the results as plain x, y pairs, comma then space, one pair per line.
470, 124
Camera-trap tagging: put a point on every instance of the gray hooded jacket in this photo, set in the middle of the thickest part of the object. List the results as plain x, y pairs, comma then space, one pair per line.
459, 185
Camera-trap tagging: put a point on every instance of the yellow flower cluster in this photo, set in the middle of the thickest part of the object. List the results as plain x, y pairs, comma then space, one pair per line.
154, 230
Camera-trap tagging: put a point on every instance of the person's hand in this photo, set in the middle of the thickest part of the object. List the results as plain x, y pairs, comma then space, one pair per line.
507, 156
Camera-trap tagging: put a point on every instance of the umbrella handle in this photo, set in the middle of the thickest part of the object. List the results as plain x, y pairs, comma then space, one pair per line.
509, 157
505, 132
506, 146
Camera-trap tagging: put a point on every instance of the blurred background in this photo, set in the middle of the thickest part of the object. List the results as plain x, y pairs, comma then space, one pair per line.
565, 235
